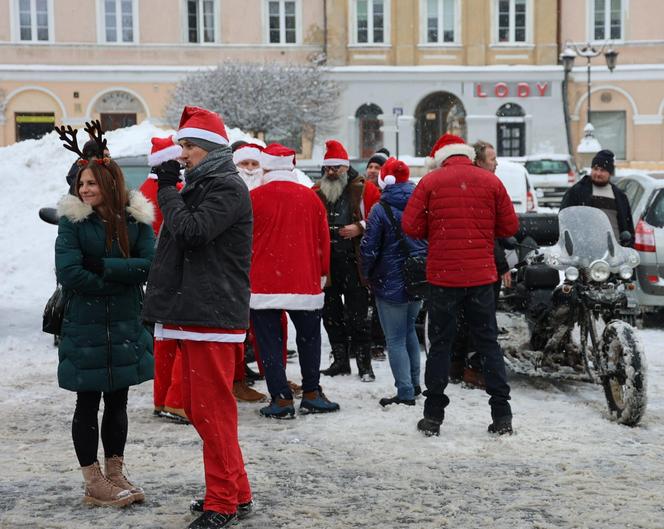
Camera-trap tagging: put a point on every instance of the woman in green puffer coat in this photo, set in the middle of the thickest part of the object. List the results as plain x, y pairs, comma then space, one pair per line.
103, 254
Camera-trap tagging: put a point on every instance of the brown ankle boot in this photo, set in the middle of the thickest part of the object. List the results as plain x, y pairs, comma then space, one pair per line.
243, 392
473, 378
113, 467
101, 491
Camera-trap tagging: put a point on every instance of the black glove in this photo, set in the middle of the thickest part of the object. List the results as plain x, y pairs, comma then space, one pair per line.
93, 264
168, 173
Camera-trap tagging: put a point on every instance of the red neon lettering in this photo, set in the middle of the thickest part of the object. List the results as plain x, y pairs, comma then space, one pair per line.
501, 90
523, 90
542, 88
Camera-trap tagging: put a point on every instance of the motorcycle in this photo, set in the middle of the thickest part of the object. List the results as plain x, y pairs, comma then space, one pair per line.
581, 327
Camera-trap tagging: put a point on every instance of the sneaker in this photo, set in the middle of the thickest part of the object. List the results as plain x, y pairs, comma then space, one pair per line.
317, 402
296, 389
378, 352
396, 400
501, 426
213, 520
279, 409
429, 427
244, 510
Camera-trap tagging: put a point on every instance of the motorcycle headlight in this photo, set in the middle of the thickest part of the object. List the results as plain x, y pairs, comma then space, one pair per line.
571, 273
553, 260
633, 259
599, 271
625, 272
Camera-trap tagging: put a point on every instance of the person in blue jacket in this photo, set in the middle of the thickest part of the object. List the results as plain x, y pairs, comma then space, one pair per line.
382, 259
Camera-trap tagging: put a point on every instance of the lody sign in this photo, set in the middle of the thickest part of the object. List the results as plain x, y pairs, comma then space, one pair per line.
504, 90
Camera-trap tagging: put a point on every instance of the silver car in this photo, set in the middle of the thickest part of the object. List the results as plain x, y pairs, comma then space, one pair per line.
645, 194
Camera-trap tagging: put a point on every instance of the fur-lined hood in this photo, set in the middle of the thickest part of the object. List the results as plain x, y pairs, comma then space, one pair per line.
140, 208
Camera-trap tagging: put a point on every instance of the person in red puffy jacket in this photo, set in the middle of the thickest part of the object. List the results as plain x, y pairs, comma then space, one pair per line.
461, 209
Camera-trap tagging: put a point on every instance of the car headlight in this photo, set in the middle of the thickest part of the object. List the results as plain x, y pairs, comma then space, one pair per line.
625, 272
599, 270
571, 273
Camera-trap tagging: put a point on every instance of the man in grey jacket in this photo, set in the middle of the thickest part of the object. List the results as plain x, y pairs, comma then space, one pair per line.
198, 293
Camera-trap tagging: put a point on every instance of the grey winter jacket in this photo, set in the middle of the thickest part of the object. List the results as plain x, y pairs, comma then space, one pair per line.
200, 272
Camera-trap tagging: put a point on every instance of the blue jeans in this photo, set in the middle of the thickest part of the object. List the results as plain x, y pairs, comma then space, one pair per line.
403, 347
269, 335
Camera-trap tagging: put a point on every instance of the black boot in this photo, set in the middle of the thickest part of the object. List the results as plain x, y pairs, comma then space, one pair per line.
364, 363
341, 363
251, 375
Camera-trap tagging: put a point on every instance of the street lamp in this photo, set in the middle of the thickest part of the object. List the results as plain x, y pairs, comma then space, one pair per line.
589, 52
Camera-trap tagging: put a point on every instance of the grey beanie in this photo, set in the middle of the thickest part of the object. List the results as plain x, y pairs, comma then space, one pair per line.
206, 145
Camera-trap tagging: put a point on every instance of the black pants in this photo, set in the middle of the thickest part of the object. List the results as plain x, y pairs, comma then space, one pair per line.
463, 341
478, 305
346, 318
85, 427
270, 338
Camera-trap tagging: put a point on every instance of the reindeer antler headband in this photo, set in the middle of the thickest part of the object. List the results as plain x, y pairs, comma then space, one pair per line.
70, 142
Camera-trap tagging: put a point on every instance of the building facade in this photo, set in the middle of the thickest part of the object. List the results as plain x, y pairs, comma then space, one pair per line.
409, 69
627, 105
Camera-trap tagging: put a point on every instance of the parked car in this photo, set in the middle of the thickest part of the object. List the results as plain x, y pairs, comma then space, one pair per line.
135, 169
551, 175
645, 194
516, 180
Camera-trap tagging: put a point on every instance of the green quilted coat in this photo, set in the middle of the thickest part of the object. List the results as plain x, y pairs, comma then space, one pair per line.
103, 344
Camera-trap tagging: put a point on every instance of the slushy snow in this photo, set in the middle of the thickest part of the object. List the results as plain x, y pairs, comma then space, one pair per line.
567, 466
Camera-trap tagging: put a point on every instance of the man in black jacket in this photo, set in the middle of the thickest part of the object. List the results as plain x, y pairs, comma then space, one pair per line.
596, 190
198, 293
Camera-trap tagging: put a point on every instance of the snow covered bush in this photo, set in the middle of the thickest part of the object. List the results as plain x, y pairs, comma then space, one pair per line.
265, 99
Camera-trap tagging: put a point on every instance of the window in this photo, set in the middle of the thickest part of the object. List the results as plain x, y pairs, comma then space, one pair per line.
201, 21
512, 21
511, 131
33, 125
33, 20
607, 19
282, 21
371, 137
118, 20
371, 21
440, 21
610, 130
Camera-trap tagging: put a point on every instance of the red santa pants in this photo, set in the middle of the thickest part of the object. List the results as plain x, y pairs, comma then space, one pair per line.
252, 338
207, 384
167, 374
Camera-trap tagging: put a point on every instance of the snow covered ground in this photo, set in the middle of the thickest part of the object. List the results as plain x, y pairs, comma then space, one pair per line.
567, 466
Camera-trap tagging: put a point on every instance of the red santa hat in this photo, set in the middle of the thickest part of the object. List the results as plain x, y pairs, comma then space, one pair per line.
163, 149
249, 151
203, 124
393, 172
276, 157
335, 154
446, 146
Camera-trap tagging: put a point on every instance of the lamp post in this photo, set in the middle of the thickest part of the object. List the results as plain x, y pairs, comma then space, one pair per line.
588, 51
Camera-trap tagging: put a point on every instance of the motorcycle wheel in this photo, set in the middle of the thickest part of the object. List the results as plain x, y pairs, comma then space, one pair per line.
624, 382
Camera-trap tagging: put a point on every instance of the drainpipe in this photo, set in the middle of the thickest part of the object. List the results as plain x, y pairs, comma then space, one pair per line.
325, 31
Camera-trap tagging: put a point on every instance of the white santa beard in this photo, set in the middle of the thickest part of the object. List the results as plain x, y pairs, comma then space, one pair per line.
253, 178
332, 189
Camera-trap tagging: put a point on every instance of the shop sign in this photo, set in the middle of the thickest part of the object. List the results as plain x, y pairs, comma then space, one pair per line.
504, 90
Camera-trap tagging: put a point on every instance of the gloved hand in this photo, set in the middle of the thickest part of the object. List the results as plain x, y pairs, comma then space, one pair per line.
168, 173
93, 264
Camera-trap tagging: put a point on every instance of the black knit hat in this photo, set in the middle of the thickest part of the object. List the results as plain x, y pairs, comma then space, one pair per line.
604, 159
379, 157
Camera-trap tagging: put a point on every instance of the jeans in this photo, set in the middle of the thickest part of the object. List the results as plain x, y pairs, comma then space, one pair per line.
270, 337
479, 309
403, 347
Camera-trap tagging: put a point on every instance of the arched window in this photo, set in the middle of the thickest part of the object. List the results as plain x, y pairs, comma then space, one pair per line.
435, 115
370, 135
511, 130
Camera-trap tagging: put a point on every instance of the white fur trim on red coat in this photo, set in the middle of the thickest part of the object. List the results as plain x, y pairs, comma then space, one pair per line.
287, 301
280, 176
77, 211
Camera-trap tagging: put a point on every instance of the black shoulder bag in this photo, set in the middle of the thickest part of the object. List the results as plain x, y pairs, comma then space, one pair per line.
414, 267
54, 312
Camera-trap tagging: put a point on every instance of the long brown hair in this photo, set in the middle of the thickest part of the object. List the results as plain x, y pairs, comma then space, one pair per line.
115, 197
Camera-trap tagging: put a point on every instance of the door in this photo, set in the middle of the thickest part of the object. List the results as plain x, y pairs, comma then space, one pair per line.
116, 120
33, 125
